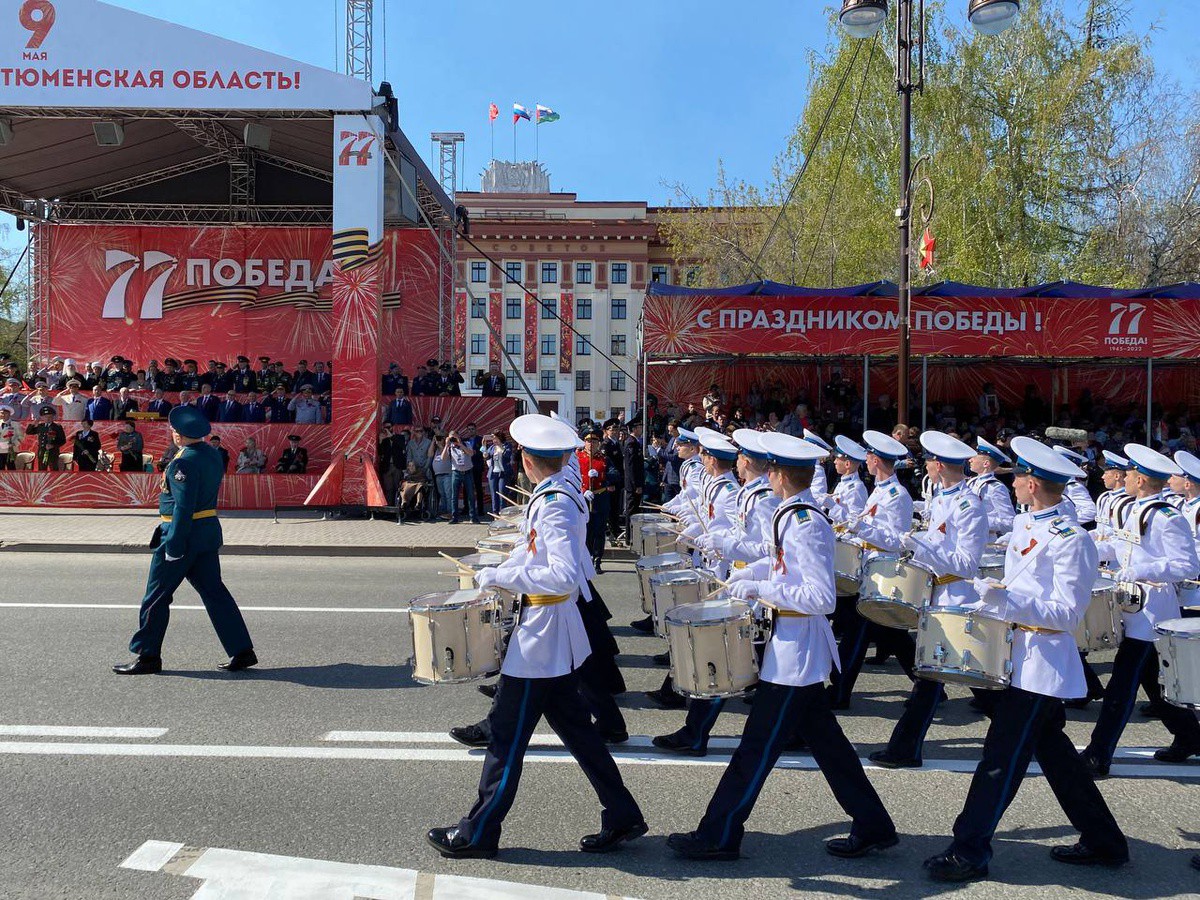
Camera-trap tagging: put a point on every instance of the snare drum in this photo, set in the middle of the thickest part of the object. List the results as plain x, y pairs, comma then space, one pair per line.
671, 589
1129, 596
653, 565
636, 521
956, 645
894, 590
456, 636
500, 543
657, 538
476, 562
499, 528
847, 565
712, 648
1178, 642
1101, 627
992, 565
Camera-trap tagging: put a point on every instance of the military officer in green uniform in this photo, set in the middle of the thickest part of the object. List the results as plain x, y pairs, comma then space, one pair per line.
187, 544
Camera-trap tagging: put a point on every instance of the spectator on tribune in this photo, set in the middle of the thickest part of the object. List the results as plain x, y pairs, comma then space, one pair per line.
420, 383
153, 375
50, 440
460, 454
230, 410
125, 404
293, 460
399, 411
11, 435
189, 378
72, 403
322, 380
209, 375
14, 399
277, 406
85, 449
394, 380
304, 409
223, 383
302, 376
208, 403
169, 379
493, 384
215, 440
99, 408
499, 456
253, 411
92, 377
251, 460
282, 378
451, 380
160, 404
244, 379
391, 461
130, 445
264, 374
35, 400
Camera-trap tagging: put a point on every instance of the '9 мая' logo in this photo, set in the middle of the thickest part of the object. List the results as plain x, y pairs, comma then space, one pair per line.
37, 17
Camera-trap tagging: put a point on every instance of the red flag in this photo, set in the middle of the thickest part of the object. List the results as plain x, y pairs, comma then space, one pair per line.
493, 112
928, 245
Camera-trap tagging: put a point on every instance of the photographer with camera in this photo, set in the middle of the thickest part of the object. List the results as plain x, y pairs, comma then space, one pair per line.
460, 454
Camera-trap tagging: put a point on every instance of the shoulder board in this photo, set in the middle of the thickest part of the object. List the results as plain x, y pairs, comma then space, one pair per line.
726, 485
893, 490
1170, 512
965, 504
802, 514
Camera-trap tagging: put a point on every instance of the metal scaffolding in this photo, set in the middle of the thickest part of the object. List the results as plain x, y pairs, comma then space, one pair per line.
359, 39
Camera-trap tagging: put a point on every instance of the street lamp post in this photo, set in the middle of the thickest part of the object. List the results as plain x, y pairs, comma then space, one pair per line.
863, 19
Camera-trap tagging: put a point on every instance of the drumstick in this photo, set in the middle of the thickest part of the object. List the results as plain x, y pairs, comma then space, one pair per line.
461, 568
699, 517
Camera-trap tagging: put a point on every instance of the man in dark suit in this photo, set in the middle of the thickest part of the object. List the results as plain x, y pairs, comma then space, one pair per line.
85, 450
493, 384
99, 408
634, 463
187, 545
392, 458
253, 411
215, 440
302, 376
125, 405
322, 381
399, 411
229, 410
293, 460
159, 404
207, 403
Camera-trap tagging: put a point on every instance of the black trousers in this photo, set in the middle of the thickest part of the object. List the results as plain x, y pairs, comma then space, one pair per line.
1136, 663
858, 635
1095, 689
909, 734
616, 508
596, 526
520, 705
776, 711
1026, 726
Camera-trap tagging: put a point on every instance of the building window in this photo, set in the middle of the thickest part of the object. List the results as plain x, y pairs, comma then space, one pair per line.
583, 380
512, 272
583, 273
478, 344
550, 309
549, 273
620, 273
512, 308
549, 382
620, 308
617, 381
582, 413
478, 307
660, 274
479, 272
510, 380
583, 308
618, 345
512, 344
548, 345
583, 347
692, 277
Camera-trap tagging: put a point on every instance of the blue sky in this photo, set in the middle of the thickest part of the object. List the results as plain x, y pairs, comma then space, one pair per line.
650, 91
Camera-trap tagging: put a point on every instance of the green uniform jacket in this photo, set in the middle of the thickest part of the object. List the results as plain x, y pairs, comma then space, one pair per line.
190, 485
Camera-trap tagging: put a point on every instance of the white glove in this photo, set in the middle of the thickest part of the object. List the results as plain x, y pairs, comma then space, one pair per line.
705, 542
986, 586
589, 496
593, 473
910, 543
744, 590
1125, 574
738, 575
485, 578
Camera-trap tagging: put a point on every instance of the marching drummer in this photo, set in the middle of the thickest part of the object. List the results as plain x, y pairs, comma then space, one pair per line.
797, 580
887, 517
744, 541
1077, 493
1154, 549
718, 499
951, 548
1188, 487
1114, 497
996, 500
820, 484
1049, 569
848, 498
539, 674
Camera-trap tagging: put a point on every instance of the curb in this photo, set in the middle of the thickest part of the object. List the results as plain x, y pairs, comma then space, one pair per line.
361, 551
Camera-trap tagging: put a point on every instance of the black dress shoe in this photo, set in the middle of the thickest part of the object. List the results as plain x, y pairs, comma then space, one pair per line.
853, 846
839, 705
678, 743
1081, 703
689, 846
661, 659
1153, 710
488, 690
1081, 855
1094, 767
451, 844
1178, 752
472, 735
243, 660
645, 626
143, 665
615, 737
607, 839
666, 699
952, 867
889, 761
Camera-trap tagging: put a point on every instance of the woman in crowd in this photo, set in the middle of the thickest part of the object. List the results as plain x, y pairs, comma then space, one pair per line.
130, 445
497, 454
251, 460
11, 435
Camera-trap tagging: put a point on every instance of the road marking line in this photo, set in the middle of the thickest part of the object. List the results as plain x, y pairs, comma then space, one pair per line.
539, 739
428, 754
151, 856
183, 606
81, 731
462, 887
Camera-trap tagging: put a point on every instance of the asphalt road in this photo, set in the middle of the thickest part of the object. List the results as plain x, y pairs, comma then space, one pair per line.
251, 762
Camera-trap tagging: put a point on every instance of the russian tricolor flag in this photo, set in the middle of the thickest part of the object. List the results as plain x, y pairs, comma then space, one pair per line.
520, 112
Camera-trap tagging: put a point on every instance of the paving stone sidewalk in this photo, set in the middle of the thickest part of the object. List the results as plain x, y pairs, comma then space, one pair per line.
248, 533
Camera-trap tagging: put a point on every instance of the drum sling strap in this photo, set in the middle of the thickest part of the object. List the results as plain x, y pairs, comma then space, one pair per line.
783, 515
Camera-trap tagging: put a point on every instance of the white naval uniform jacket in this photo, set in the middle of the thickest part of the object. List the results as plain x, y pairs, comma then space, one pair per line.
1050, 567
797, 574
957, 536
691, 482
888, 516
820, 484
1107, 505
1165, 554
548, 641
571, 478
750, 534
1077, 494
847, 499
1189, 595
996, 502
718, 507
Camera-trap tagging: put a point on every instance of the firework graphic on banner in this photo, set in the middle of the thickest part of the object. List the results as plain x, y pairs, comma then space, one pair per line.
495, 312
566, 336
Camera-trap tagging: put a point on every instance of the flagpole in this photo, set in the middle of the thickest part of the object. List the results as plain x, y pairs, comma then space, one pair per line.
537, 135
493, 138
514, 137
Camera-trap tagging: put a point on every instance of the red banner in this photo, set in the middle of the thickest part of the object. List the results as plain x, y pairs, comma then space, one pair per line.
531, 335
114, 490
495, 313
566, 346
1038, 327
214, 293
461, 312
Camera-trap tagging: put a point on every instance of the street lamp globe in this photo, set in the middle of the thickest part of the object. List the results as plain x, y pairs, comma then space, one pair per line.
862, 18
992, 16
